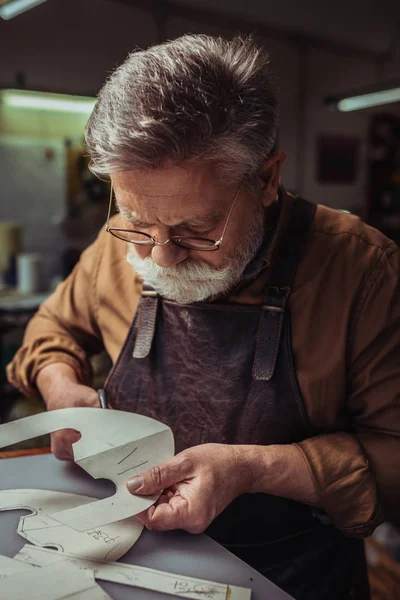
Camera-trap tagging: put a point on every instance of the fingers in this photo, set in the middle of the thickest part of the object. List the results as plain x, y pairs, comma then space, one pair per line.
173, 514
161, 476
71, 395
164, 516
61, 443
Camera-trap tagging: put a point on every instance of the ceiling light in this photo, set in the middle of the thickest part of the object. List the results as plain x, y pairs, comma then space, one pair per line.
12, 8
48, 101
367, 98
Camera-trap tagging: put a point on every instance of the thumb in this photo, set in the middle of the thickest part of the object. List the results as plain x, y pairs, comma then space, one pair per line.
159, 477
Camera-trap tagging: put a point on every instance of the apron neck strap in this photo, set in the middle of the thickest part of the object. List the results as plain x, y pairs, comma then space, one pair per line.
146, 322
290, 248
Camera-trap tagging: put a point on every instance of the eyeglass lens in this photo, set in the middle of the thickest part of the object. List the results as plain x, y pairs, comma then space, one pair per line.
143, 239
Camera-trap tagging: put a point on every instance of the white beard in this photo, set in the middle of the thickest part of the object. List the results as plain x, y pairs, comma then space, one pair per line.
193, 280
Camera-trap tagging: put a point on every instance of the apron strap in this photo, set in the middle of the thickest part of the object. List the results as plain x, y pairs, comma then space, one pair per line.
277, 294
146, 322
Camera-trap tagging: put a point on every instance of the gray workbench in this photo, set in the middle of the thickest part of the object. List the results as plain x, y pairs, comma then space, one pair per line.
176, 552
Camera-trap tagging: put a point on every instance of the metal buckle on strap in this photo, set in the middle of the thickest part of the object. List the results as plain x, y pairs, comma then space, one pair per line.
276, 298
268, 307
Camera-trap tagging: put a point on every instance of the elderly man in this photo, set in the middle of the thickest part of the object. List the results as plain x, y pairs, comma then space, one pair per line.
264, 330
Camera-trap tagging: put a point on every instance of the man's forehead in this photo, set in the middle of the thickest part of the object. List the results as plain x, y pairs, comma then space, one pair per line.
140, 192
173, 181
180, 204
177, 193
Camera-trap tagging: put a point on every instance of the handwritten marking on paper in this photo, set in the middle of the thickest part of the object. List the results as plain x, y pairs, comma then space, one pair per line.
128, 455
132, 577
203, 590
101, 535
169, 583
135, 467
176, 586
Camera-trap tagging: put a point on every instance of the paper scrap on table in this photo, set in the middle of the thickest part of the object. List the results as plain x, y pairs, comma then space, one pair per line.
60, 581
109, 542
10, 566
142, 577
114, 445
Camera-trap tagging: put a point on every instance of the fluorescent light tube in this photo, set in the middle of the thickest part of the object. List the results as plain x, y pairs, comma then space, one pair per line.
48, 101
369, 100
16, 7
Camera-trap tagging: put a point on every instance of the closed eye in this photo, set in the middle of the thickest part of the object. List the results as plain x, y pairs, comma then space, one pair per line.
133, 223
200, 228
197, 227
197, 230
139, 224
200, 231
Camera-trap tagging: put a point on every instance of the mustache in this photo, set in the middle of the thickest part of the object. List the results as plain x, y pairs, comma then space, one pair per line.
186, 282
189, 270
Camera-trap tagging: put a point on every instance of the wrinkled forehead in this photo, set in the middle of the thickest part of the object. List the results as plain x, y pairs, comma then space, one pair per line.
179, 190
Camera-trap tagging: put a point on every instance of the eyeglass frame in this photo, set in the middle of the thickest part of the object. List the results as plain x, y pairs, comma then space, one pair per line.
174, 238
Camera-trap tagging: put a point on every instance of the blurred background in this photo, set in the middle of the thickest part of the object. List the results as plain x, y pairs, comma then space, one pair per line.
338, 67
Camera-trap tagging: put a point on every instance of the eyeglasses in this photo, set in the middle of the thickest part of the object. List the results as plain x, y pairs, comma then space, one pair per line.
193, 243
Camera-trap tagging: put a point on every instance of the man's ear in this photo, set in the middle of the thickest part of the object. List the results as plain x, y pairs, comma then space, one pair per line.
270, 175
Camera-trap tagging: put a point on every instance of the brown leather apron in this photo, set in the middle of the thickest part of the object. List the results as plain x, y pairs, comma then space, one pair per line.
225, 373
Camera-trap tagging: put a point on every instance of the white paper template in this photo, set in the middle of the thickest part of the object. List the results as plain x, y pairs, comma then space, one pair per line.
9, 566
142, 577
109, 542
114, 445
60, 581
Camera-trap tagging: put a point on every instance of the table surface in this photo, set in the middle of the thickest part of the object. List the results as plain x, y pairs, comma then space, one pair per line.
176, 552
12, 300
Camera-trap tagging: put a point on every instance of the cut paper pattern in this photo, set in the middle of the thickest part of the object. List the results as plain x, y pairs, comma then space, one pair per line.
114, 445
108, 542
9, 566
142, 577
60, 581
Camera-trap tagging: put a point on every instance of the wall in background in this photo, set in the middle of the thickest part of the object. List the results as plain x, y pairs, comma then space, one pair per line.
35, 167
327, 72
33, 181
41, 124
86, 40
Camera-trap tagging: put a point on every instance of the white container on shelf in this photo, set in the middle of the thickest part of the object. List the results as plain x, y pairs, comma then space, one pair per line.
28, 272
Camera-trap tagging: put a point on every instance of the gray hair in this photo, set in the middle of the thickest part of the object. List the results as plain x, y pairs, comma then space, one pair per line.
194, 98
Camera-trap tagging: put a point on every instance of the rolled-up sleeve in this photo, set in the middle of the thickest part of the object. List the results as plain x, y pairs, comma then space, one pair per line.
65, 328
357, 472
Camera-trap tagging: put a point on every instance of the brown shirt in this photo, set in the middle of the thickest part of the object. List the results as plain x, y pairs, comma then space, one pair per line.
345, 312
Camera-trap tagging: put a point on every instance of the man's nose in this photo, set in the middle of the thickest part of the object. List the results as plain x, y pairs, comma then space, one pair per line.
169, 255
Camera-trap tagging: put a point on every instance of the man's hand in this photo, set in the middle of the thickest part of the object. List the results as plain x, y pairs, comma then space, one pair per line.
60, 388
200, 482
197, 485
